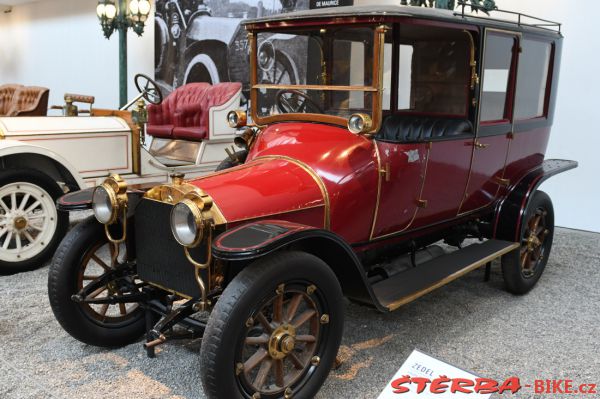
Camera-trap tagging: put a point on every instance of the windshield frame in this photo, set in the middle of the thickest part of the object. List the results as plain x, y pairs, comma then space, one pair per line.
376, 87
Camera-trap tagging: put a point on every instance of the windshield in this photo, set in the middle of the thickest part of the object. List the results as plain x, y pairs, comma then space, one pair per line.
317, 71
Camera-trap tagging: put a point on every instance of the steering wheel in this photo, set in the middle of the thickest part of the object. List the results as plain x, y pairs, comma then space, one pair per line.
297, 102
148, 88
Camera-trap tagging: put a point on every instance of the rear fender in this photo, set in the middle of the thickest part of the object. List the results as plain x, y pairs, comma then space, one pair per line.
509, 219
259, 239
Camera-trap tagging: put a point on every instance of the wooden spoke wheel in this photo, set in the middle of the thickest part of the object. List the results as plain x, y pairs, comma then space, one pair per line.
281, 341
96, 262
523, 268
533, 244
84, 257
275, 331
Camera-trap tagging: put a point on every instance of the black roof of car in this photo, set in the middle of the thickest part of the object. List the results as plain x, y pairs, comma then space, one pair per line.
534, 26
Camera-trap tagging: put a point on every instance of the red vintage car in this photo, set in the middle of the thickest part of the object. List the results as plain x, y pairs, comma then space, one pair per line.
410, 126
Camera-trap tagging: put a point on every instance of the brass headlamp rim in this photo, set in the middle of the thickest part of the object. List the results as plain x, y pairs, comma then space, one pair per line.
242, 119
116, 189
367, 123
196, 211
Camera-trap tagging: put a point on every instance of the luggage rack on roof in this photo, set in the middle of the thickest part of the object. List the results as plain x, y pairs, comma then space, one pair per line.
539, 22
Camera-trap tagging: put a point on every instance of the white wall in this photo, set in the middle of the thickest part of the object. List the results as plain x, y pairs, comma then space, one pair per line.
59, 44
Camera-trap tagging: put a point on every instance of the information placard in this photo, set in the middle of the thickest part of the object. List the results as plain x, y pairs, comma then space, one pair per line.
436, 378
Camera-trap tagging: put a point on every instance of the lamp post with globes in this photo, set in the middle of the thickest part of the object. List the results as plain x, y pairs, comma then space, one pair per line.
122, 15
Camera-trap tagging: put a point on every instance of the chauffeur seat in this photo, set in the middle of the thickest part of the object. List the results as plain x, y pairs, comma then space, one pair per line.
192, 119
161, 117
186, 113
17, 100
407, 128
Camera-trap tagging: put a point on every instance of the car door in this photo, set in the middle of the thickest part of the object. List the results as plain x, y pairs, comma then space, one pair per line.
495, 130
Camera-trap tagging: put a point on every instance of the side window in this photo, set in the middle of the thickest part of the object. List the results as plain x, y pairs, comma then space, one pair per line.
496, 77
405, 76
532, 79
387, 77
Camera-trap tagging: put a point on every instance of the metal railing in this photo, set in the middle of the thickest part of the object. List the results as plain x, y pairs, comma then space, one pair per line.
522, 19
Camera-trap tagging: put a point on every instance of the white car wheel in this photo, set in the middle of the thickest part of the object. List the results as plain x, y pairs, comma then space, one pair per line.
28, 221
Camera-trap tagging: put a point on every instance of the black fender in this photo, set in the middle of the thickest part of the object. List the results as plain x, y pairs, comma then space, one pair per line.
258, 239
81, 200
509, 221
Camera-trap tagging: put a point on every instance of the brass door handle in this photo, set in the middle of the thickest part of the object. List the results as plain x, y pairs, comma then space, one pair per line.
481, 146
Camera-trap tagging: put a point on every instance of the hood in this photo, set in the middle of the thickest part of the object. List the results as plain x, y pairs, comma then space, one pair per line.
44, 125
276, 187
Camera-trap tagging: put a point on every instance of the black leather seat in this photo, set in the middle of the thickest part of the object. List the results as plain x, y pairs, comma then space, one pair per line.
407, 128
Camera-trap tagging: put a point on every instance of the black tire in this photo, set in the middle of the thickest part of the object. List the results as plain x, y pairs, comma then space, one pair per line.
518, 279
47, 184
229, 163
244, 296
74, 317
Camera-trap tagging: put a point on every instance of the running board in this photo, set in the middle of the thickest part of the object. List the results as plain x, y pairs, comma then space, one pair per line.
405, 287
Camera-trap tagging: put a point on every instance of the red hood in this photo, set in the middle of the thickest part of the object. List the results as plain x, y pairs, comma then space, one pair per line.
266, 187
326, 172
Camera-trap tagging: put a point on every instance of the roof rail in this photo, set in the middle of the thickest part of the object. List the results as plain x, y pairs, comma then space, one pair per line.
535, 21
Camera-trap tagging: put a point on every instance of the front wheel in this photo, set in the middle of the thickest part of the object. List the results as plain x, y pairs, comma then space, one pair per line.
275, 331
83, 258
523, 268
30, 225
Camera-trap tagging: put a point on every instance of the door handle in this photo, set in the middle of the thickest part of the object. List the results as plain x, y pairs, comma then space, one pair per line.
481, 146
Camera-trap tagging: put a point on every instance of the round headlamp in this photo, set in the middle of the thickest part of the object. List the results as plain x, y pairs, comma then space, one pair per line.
108, 199
104, 203
236, 119
360, 123
186, 223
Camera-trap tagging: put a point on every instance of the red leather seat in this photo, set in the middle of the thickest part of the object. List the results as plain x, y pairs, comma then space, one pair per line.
192, 118
161, 118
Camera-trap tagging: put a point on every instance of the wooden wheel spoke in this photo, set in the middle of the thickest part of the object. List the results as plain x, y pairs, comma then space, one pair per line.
264, 322
303, 318
263, 373
104, 309
309, 339
260, 340
297, 363
101, 263
524, 257
122, 309
279, 380
278, 309
536, 222
293, 307
255, 360
97, 292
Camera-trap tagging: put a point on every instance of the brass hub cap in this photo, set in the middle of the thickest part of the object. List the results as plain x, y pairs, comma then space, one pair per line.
20, 223
532, 246
281, 342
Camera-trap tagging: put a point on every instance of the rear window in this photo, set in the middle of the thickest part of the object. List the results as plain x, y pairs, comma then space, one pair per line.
534, 66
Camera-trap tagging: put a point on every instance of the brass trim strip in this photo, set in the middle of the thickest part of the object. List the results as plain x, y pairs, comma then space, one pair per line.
169, 290
316, 178
379, 178
403, 301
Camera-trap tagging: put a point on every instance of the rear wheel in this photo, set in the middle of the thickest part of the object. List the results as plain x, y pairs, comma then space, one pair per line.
523, 268
30, 225
275, 331
84, 257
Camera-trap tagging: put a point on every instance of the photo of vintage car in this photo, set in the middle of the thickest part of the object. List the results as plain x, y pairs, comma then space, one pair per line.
43, 157
412, 126
197, 44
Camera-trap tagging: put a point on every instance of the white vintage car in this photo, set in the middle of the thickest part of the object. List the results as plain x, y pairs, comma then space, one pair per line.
42, 158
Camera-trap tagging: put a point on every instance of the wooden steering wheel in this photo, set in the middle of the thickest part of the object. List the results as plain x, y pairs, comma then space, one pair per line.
297, 102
